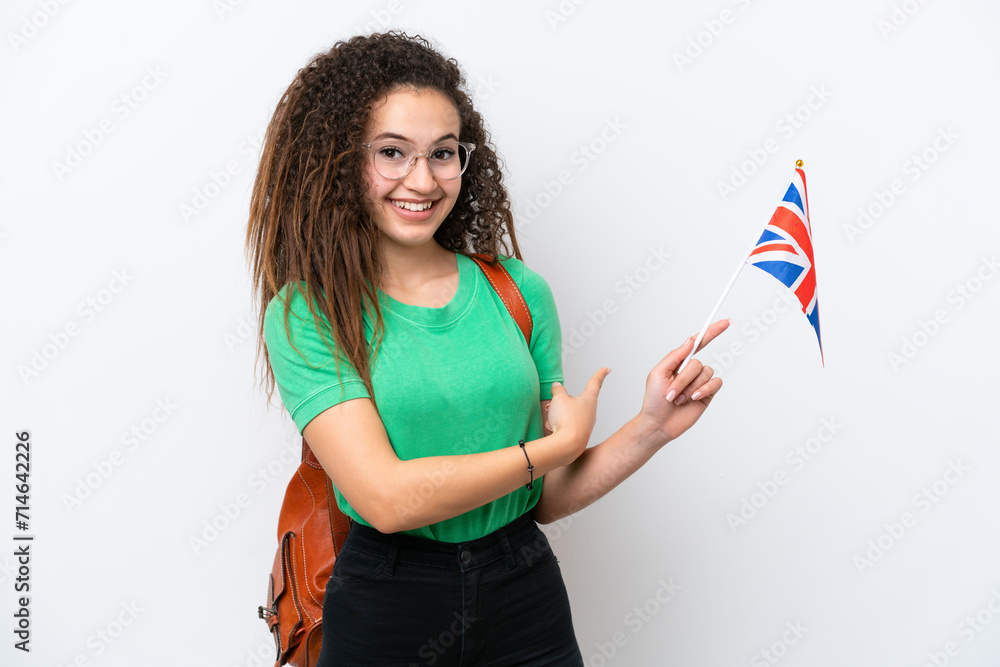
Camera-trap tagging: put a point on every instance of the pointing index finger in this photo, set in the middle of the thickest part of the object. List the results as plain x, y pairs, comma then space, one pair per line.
597, 380
713, 330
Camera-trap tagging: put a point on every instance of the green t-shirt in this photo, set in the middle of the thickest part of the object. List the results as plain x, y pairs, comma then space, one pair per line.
451, 380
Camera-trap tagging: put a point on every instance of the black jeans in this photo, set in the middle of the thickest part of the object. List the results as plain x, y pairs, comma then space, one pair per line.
411, 602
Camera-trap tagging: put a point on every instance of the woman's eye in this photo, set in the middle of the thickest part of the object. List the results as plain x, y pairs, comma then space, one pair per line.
443, 154
390, 153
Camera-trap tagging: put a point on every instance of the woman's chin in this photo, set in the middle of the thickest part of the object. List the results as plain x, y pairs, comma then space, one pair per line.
410, 238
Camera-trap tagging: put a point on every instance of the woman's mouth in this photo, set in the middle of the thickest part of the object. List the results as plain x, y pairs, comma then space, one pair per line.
414, 211
412, 206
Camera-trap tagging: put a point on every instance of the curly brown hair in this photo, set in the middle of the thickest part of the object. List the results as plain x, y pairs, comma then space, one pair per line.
309, 222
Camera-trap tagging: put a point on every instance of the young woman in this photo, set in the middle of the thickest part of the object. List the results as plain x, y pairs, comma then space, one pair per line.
402, 368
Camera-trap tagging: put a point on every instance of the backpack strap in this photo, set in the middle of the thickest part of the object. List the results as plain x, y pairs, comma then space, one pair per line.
500, 279
308, 456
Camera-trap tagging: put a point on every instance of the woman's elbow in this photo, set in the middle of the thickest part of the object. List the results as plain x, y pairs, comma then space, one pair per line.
393, 512
541, 514
383, 523
381, 511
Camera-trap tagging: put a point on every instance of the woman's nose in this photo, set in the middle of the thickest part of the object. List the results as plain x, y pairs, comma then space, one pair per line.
420, 178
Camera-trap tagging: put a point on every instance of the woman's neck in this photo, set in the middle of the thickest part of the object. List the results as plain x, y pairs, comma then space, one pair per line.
410, 269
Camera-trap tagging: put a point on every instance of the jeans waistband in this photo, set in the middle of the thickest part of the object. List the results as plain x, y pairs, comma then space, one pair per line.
398, 547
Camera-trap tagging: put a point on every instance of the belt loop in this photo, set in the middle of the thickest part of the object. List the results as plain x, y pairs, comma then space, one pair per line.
390, 559
508, 553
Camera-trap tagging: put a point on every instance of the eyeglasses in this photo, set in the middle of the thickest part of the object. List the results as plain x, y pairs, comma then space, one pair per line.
394, 159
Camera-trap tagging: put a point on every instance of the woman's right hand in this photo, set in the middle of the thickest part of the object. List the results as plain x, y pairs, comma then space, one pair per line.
574, 416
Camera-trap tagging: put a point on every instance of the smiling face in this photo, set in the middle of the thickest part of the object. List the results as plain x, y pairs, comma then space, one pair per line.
400, 208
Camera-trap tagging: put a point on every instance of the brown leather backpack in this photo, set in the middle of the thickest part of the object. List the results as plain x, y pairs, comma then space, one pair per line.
311, 528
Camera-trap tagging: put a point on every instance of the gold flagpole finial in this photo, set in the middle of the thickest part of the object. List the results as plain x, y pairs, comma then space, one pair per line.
799, 163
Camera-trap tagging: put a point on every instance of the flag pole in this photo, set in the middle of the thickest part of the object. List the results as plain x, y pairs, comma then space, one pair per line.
725, 293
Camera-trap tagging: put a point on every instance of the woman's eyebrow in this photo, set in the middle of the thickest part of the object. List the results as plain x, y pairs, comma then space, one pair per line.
393, 135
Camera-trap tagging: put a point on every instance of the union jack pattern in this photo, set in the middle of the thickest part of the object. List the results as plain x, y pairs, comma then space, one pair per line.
785, 250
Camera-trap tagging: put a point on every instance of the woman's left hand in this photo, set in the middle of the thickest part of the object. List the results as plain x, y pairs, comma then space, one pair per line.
674, 402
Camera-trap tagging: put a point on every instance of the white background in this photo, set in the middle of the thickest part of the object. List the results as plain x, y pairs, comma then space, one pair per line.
868, 87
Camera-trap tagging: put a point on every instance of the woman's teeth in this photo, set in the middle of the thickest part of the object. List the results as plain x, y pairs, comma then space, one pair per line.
409, 206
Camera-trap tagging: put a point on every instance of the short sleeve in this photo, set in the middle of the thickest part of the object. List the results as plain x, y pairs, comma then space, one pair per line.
546, 334
304, 368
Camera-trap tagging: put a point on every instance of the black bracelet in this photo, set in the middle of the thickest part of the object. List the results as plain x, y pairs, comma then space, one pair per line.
531, 468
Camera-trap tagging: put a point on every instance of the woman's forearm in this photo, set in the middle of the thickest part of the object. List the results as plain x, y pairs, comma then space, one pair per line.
422, 491
595, 472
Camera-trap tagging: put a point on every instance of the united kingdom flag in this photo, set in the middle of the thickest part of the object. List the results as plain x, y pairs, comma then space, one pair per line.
785, 250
